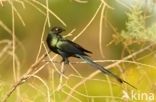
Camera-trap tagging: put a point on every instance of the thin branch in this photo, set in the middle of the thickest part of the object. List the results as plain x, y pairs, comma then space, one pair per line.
5, 27
19, 16
104, 3
105, 61
13, 41
47, 13
50, 11
33, 66
109, 66
51, 61
5, 49
33, 5
86, 91
100, 31
21, 2
25, 77
81, 1
77, 36
48, 90
42, 35
61, 78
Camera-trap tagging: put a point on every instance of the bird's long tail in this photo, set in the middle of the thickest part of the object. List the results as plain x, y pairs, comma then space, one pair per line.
102, 69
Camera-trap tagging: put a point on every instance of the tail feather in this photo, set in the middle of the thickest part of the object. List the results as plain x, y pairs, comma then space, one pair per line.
104, 70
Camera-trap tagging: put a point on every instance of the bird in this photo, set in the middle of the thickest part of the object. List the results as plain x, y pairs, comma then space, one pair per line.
67, 48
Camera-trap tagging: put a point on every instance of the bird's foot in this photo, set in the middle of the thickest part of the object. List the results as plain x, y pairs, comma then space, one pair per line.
65, 61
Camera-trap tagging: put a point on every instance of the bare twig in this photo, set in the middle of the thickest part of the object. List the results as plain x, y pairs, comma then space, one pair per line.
109, 66
50, 11
6, 48
61, 78
88, 23
81, 1
48, 90
25, 77
100, 30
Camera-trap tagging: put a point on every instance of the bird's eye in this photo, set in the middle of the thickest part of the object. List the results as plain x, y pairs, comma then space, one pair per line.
56, 29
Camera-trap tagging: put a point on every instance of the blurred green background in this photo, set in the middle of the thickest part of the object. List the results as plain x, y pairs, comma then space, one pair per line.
126, 27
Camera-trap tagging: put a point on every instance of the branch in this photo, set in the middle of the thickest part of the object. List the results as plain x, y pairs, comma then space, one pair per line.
109, 66
31, 71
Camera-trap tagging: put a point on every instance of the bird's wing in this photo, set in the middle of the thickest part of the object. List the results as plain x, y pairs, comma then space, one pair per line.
70, 47
79, 47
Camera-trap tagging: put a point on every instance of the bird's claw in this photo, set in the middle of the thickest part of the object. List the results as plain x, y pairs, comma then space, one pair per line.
65, 61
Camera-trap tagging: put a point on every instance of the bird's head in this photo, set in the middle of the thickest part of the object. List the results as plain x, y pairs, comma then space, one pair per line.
57, 30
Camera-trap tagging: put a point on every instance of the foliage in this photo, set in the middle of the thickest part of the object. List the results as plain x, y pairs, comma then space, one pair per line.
136, 26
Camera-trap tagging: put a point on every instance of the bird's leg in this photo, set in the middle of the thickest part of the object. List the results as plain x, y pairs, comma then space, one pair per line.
64, 61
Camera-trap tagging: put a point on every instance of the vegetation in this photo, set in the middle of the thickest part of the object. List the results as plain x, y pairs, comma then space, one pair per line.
121, 35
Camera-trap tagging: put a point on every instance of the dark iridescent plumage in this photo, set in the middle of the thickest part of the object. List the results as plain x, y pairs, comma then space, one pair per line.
67, 48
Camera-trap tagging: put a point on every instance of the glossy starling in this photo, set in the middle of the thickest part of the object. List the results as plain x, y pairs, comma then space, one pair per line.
67, 48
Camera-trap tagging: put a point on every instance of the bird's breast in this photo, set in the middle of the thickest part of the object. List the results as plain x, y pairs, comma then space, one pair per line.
54, 42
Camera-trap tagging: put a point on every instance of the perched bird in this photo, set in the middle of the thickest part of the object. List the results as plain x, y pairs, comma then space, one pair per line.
67, 48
